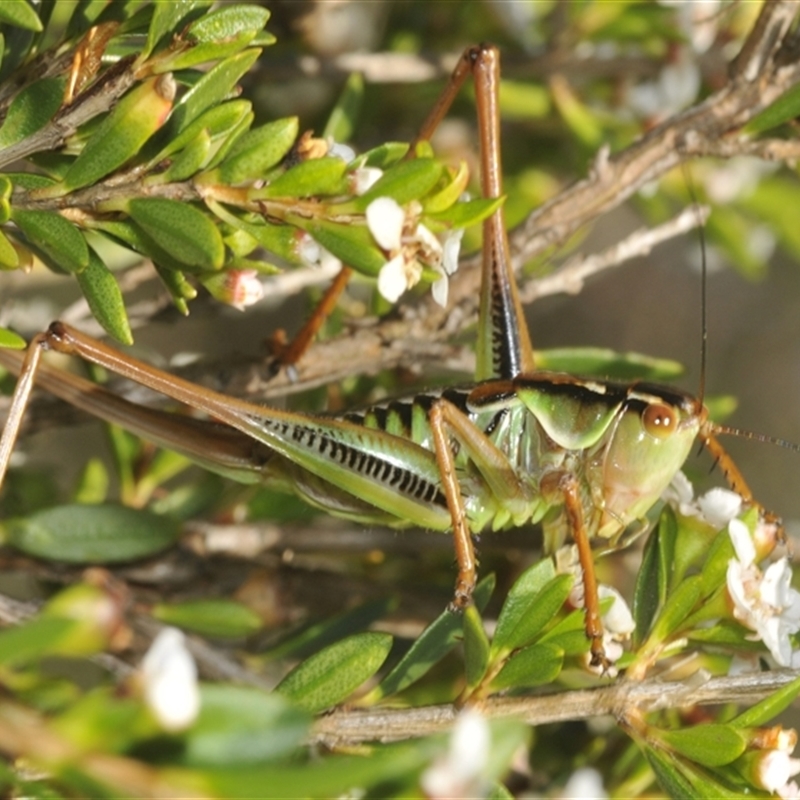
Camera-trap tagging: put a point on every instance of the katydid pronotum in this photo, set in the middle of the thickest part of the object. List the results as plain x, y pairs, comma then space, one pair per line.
585, 458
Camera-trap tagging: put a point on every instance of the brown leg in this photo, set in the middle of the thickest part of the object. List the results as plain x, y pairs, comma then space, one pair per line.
462, 537
568, 486
287, 355
494, 468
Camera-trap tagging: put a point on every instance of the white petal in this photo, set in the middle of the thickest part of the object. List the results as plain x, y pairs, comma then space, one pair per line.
742, 604
742, 542
774, 770
585, 784
385, 220
343, 151
452, 247
364, 178
308, 250
169, 675
431, 246
776, 638
719, 506
439, 290
776, 584
618, 619
679, 491
392, 280
469, 746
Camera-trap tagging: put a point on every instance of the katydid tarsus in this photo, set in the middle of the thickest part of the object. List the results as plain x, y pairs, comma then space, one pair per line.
585, 458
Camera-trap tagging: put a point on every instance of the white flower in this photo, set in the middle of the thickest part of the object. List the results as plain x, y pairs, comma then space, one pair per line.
410, 245
245, 288
169, 676
774, 769
717, 506
765, 602
459, 773
584, 784
385, 220
339, 150
364, 178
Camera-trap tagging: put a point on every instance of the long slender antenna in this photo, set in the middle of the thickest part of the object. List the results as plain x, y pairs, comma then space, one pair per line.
701, 393
727, 430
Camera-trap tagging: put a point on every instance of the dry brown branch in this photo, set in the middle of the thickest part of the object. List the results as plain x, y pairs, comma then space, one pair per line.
414, 333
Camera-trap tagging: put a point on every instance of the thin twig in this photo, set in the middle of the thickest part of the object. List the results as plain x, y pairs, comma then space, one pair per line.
355, 726
571, 277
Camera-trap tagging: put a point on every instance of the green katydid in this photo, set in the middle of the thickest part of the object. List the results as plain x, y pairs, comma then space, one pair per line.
587, 459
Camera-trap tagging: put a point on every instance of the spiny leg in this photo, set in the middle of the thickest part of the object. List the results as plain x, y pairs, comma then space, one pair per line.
565, 485
494, 468
737, 482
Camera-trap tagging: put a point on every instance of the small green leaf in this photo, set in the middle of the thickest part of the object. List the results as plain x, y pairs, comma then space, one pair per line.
404, 182
352, 244
709, 745
58, 240
476, 646
445, 198
542, 608
258, 151
104, 297
178, 286
227, 23
239, 725
21, 14
532, 666
677, 608
318, 176
313, 638
342, 121
40, 637
122, 134
651, 582
31, 109
279, 239
212, 88
210, 617
181, 230
166, 18
188, 161
100, 534
462, 215
9, 257
333, 674
430, 647
519, 601
768, 708
671, 778
605, 362
785, 108
11, 340
384, 155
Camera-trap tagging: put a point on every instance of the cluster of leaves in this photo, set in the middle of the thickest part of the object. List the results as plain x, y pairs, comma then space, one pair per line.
107, 739
132, 133
128, 133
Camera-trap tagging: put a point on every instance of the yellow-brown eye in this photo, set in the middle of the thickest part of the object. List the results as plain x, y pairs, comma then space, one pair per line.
659, 420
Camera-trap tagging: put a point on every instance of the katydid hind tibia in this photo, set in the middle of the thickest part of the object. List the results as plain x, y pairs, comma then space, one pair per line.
585, 458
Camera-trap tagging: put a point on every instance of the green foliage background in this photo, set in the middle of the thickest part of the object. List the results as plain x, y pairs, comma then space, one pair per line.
294, 614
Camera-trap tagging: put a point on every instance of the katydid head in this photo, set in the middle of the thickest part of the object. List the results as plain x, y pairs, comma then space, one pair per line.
646, 445
626, 441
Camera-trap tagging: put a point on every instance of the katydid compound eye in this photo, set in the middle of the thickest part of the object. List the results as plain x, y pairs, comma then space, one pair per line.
659, 420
